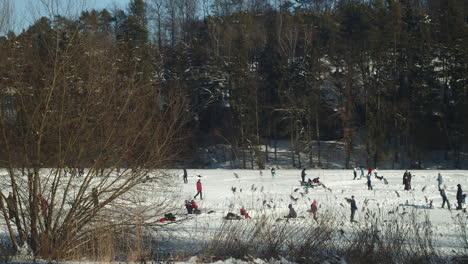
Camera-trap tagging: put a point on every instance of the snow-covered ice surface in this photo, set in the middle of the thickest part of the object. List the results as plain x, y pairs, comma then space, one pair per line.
262, 194
253, 187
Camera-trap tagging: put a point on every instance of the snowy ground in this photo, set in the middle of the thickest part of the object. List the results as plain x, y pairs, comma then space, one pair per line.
262, 194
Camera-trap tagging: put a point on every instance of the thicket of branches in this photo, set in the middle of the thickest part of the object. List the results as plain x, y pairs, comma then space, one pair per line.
84, 120
386, 73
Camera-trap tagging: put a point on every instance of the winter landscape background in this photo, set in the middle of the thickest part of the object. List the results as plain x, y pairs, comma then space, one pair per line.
100, 109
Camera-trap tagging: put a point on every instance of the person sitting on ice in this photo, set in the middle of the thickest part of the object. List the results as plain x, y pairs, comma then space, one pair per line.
195, 207
316, 180
167, 217
292, 212
189, 207
232, 216
244, 213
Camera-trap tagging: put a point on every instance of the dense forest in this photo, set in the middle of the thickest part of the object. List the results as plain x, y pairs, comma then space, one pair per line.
390, 75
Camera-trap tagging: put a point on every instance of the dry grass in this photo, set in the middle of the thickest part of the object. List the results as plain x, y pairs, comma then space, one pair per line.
381, 238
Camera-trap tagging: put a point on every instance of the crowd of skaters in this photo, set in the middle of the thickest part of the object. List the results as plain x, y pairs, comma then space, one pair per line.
192, 206
371, 173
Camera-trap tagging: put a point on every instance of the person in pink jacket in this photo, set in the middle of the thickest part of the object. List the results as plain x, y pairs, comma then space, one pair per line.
199, 190
313, 209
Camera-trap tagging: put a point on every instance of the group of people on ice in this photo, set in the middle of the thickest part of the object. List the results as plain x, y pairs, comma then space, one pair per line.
461, 198
192, 207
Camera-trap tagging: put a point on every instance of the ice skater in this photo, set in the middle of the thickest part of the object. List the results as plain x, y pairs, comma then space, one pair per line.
353, 208
185, 176
369, 182
444, 197
303, 174
440, 181
314, 209
273, 172
459, 197
354, 173
199, 190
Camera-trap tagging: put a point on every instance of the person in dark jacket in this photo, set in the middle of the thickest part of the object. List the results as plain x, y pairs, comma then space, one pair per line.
95, 195
11, 201
353, 208
408, 182
292, 212
303, 174
369, 182
459, 197
405, 177
185, 176
444, 197
189, 207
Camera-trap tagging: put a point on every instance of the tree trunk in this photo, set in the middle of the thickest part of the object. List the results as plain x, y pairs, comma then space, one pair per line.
317, 129
276, 149
292, 144
7, 221
34, 209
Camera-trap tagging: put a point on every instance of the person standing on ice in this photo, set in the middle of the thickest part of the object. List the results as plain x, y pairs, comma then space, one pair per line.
303, 174
353, 208
459, 197
362, 173
273, 172
199, 189
440, 181
444, 197
354, 173
408, 181
313, 209
185, 176
369, 171
369, 182
11, 203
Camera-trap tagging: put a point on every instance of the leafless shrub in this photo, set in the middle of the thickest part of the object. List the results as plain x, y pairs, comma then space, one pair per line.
263, 237
398, 237
461, 221
392, 238
313, 241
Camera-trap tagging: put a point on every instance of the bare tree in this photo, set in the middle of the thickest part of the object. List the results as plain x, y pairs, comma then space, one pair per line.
77, 110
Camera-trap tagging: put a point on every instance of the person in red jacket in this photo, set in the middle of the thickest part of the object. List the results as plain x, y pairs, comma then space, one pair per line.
43, 203
195, 207
244, 213
199, 190
313, 209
